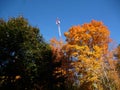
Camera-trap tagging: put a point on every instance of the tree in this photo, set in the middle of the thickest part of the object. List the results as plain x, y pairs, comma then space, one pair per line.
24, 55
86, 45
109, 76
59, 74
117, 55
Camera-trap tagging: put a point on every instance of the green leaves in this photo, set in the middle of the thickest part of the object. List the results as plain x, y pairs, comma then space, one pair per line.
32, 54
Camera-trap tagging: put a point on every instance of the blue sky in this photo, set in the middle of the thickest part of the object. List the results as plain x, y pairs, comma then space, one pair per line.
43, 13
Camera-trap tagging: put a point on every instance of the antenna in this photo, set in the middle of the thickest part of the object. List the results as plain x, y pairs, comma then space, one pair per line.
59, 31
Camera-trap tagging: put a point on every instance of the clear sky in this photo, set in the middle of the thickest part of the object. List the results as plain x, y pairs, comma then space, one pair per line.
43, 13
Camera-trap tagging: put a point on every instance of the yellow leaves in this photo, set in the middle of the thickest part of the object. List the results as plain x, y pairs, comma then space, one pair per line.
55, 43
88, 34
77, 69
66, 34
59, 72
85, 47
97, 51
74, 54
17, 77
92, 79
96, 24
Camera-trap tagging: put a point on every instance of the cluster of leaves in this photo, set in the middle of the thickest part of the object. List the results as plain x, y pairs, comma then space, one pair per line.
87, 49
117, 55
24, 55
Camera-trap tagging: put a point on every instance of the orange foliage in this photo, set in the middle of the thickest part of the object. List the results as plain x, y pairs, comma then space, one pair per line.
85, 59
17, 77
86, 45
58, 60
90, 34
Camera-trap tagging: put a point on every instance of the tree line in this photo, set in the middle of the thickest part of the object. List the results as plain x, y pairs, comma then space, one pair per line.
83, 62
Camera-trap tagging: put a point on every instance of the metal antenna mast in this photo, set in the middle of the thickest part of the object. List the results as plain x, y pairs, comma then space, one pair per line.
59, 31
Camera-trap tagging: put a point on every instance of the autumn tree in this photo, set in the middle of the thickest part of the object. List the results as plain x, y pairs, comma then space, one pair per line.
117, 55
109, 74
86, 45
58, 60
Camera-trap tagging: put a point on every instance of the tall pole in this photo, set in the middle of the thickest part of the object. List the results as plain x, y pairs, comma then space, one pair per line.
59, 31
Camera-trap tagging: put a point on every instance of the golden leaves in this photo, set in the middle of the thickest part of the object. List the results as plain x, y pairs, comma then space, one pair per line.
93, 33
59, 72
17, 77
86, 44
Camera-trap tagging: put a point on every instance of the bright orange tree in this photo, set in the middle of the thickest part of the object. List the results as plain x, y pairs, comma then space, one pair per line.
85, 47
